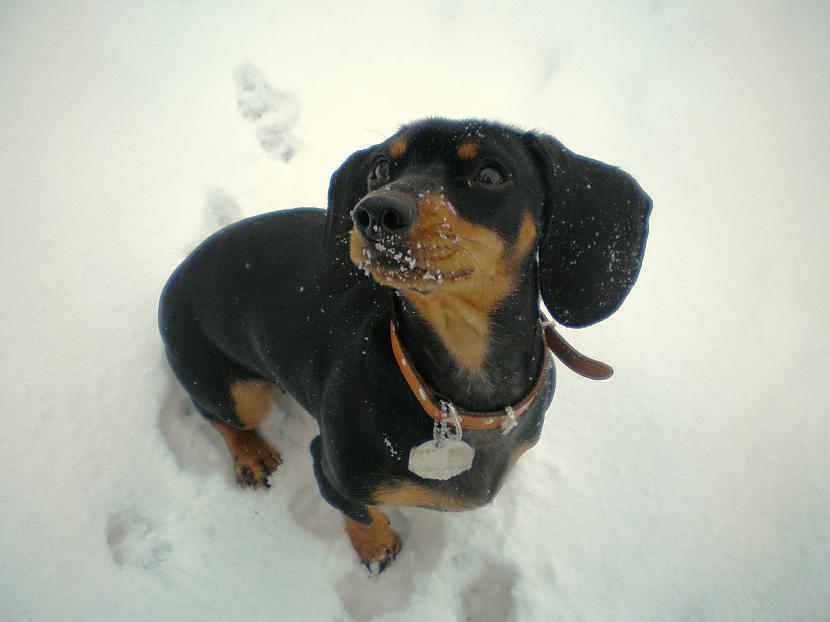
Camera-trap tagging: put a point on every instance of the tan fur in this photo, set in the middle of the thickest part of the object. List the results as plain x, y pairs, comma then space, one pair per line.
408, 494
252, 401
525, 241
460, 314
468, 150
461, 322
459, 311
398, 148
375, 542
462, 272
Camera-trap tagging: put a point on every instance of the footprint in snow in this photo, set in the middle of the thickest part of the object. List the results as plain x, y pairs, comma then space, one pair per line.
489, 598
273, 112
424, 536
136, 540
220, 210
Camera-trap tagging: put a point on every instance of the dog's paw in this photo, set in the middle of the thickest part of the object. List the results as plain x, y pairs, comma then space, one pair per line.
253, 458
375, 544
254, 473
253, 462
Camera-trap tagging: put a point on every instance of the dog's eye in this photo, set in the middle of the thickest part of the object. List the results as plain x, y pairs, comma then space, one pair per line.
489, 176
380, 174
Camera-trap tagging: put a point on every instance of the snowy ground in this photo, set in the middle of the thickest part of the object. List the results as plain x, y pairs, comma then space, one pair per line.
695, 485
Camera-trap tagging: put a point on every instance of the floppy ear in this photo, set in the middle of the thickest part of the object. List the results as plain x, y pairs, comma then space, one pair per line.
594, 235
346, 188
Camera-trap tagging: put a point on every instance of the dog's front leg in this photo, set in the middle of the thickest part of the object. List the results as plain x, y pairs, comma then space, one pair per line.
368, 528
375, 543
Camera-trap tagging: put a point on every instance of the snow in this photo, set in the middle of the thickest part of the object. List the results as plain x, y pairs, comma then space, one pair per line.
692, 486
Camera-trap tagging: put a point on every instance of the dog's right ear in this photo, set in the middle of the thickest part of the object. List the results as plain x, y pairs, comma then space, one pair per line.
596, 225
348, 185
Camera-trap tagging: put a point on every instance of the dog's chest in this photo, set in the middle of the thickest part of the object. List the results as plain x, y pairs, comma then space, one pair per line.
373, 421
468, 490
495, 455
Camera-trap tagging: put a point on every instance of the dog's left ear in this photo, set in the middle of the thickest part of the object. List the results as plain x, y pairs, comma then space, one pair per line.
594, 235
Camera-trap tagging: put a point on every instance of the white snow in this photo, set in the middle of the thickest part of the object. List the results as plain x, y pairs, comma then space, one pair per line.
694, 485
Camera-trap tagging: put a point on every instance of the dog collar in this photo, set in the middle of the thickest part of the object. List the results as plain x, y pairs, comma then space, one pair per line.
469, 420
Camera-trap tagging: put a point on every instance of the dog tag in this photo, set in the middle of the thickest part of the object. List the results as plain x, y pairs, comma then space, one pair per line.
441, 459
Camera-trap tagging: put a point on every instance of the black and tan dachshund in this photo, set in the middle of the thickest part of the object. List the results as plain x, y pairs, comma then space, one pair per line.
406, 317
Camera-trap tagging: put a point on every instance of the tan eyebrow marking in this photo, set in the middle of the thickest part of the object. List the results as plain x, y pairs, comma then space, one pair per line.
398, 147
468, 150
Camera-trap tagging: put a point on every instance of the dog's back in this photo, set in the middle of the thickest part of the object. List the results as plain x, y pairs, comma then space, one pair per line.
248, 303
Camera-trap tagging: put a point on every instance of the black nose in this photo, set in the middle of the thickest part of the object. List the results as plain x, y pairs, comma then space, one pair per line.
379, 217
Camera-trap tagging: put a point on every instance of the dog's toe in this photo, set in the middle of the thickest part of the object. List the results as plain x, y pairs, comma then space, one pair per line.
270, 462
378, 559
246, 476
254, 475
386, 557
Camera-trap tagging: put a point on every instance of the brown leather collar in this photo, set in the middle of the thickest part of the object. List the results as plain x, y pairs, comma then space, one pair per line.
504, 419
468, 419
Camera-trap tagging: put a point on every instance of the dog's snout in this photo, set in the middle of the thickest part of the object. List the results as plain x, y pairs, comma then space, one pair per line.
378, 217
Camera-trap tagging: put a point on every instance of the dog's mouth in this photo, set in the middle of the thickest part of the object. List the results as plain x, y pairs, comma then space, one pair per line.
438, 251
402, 267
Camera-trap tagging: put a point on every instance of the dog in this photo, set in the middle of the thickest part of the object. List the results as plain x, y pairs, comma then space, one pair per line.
406, 318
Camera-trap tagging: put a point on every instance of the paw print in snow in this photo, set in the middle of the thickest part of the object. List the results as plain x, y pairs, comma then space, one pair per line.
273, 112
135, 540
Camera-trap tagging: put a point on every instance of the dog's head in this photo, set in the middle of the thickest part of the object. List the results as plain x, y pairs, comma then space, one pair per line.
461, 206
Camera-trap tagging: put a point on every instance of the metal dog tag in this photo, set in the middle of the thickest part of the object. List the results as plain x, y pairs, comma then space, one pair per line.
441, 459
